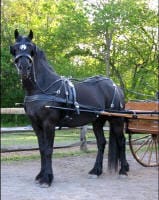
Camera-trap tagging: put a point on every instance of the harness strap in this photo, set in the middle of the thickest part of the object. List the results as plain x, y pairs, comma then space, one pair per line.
51, 98
70, 92
73, 91
116, 92
44, 97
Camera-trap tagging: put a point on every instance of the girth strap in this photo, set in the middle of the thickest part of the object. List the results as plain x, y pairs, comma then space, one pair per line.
52, 98
45, 97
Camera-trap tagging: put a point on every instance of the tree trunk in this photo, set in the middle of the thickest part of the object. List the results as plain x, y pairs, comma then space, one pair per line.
108, 40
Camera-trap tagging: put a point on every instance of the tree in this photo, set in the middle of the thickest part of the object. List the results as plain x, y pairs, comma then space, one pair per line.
125, 40
57, 26
115, 37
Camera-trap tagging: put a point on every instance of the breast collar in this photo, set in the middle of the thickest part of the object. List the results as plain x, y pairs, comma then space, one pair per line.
69, 99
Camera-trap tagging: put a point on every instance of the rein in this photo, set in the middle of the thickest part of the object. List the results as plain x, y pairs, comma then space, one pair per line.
69, 89
34, 73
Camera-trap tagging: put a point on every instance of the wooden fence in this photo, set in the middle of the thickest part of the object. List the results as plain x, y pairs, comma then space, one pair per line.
20, 111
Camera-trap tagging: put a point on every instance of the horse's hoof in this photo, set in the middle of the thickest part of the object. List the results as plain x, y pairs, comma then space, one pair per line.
123, 172
96, 172
92, 176
36, 181
44, 185
123, 176
127, 168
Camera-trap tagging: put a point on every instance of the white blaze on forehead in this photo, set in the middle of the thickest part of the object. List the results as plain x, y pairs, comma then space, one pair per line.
23, 47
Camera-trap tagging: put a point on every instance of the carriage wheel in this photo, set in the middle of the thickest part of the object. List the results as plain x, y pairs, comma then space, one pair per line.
145, 148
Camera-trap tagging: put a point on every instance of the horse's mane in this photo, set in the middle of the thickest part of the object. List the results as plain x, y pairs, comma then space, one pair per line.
42, 60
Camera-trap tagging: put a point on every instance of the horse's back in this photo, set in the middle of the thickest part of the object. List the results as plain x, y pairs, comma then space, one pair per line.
98, 91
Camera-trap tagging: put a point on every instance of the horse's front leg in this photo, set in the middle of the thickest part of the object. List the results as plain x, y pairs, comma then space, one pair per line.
46, 150
45, 136
101, 142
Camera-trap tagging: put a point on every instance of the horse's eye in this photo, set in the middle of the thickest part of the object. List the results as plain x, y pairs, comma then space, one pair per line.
12, 50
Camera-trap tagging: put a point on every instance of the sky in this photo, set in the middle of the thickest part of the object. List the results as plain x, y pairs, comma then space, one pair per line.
152, 3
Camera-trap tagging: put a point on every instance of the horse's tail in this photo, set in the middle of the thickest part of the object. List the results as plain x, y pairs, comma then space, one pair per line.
113, 153
116, 152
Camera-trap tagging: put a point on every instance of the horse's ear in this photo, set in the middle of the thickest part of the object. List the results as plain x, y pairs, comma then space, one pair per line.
30, 36
16, 34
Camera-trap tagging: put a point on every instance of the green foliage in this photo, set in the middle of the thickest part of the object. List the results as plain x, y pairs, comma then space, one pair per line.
127, 32
83, 39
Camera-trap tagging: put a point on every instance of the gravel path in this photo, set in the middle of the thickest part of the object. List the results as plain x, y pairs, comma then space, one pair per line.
72, 181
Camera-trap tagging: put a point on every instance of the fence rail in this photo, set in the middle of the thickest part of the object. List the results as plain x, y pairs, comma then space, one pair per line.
30, 129
13, 111
20, 111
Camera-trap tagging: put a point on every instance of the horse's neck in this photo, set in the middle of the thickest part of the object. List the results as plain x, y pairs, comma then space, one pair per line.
29, 86
42, 77
43, 73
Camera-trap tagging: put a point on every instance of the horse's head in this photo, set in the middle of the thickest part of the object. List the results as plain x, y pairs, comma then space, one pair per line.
23, 51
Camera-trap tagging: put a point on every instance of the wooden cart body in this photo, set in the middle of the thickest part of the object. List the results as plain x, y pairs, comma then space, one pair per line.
147, 123
144, 132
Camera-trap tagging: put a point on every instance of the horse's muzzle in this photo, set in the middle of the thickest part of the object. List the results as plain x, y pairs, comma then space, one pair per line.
23, 63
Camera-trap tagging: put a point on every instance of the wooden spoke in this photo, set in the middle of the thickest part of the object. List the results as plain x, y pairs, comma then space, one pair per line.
139, 139
157, 148
143, 144
151, 149
147, 149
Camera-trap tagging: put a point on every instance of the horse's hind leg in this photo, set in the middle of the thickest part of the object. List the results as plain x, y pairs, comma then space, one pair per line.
117, 151
101, 142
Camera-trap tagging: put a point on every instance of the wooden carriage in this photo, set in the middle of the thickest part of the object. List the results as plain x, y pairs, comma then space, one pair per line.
142, 126
143, 132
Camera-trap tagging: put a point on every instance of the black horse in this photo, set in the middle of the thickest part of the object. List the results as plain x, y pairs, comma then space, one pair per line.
52, 100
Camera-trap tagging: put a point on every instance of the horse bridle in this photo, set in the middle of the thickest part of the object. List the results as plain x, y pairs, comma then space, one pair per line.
23, 55
22, 47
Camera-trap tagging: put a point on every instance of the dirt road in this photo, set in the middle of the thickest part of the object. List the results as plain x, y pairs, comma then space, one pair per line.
72, 181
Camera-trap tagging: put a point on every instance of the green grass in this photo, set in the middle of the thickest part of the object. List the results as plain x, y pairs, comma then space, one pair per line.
29, 139
36, 156
14, 120
24, 139
17, 139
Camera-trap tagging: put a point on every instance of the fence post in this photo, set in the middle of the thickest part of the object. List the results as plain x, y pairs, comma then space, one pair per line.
83, 132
